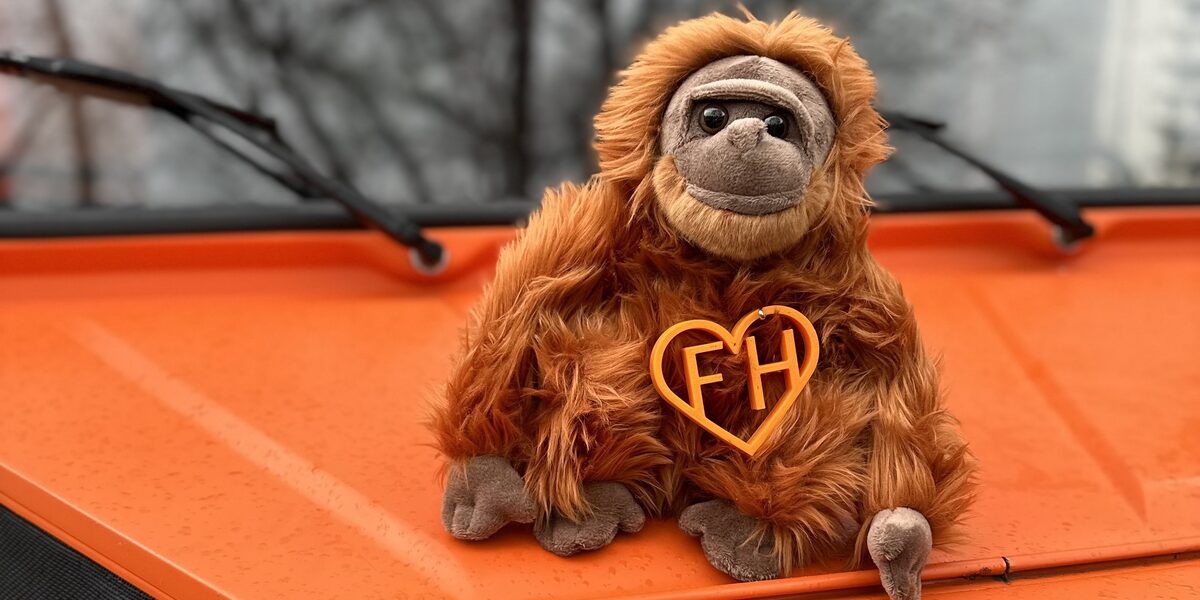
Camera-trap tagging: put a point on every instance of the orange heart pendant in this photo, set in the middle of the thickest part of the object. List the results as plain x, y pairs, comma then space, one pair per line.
796, 372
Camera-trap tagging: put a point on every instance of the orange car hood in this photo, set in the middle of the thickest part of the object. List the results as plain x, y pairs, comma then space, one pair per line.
241, 414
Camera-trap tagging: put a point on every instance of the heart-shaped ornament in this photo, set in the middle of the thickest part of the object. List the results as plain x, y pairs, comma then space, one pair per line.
796, 371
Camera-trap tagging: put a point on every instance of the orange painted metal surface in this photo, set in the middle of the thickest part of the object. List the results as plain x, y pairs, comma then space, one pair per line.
239, 415
1141, 579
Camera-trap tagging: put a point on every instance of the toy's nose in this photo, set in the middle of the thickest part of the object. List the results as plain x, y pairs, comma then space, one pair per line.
745, 133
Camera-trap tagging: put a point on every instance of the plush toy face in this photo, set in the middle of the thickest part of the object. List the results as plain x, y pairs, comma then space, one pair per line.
745, 136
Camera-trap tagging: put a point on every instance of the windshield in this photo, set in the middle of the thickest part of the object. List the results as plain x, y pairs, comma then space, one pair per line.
428, 102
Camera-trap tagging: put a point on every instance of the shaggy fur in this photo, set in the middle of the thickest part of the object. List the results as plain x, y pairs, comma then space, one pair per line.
554, 373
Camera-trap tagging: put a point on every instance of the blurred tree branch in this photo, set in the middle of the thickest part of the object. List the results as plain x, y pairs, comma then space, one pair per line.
81, 143
517, 152
301, 61
24, 139
477, 98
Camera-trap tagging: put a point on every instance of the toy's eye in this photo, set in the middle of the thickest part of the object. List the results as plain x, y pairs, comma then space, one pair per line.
712, 118
776, 125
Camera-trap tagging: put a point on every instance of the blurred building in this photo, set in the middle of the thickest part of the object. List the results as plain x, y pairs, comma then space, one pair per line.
1074, 93
1148, 108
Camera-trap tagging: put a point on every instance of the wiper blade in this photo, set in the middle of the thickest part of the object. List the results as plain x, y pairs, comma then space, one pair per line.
1056, 208
79, 77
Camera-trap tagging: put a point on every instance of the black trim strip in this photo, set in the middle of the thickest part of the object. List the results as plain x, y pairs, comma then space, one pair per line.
995, 200
324, 216
304, 217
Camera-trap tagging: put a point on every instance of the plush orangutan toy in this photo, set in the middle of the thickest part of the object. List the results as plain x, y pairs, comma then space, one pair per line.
730, 195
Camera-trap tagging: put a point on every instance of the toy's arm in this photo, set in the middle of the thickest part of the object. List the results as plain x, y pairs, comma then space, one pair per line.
554, 263
918, 458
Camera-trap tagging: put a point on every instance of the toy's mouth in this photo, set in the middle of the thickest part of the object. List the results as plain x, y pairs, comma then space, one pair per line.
756, 205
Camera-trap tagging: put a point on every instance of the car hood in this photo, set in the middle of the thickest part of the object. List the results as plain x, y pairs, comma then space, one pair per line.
242, 414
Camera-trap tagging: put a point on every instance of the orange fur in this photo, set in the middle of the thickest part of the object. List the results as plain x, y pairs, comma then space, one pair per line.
554, 369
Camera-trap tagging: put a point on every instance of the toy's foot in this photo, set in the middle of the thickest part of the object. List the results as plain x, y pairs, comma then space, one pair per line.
483, 497
899, 542
613, 507
730, 540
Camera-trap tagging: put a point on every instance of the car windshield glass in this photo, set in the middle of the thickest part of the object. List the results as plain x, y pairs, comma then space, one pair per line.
429, 102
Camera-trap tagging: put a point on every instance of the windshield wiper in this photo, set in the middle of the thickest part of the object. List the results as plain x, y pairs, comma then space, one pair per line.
74, 76
298, 174
1057, 209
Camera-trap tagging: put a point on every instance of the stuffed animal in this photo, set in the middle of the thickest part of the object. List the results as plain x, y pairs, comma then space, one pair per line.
732, 156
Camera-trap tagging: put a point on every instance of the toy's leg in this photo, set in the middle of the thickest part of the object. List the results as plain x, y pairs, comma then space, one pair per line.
794, 504
612, 508
596, 449
734, 543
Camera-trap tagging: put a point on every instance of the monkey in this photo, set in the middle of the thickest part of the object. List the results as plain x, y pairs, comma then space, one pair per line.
732, 155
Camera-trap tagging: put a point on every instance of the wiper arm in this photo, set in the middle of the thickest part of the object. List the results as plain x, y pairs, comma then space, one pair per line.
1057, 209
74, 76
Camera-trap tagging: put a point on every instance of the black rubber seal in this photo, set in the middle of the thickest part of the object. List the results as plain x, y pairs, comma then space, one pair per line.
36, 566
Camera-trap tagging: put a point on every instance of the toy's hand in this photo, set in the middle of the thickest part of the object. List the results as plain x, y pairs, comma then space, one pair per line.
899, 542
483, 497
731, 540
613, 507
